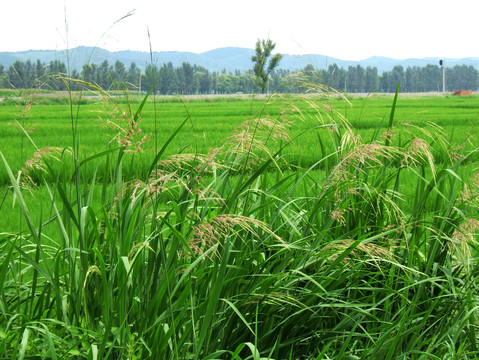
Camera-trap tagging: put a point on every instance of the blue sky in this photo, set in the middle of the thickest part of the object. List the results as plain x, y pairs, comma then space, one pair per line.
346, 29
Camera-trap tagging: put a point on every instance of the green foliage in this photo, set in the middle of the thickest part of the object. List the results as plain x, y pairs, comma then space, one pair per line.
225, 254
193, 79
214, 118
263, 65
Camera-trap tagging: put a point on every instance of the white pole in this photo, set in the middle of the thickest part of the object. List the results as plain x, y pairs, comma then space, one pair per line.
443, 77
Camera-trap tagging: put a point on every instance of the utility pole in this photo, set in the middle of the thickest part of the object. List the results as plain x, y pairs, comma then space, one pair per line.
139, 87
441, 62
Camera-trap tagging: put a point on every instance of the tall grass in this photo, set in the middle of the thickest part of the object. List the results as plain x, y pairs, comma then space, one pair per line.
226, 255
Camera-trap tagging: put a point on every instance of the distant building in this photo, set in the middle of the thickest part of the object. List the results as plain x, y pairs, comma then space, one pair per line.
462, 92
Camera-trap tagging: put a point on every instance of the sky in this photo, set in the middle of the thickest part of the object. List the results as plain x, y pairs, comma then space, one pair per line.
344, 29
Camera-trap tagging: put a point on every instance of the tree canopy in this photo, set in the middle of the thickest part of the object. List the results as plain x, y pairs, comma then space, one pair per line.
193, 79
263, 51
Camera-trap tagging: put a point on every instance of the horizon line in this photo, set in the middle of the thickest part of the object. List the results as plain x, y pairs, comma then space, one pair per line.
236, 47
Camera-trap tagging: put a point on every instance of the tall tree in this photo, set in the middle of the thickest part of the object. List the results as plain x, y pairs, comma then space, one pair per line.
262, 68
3, 79
169, 79
151, 79
104, 78
371, 79
133, 76
187, 72
90, 73
203, 79
16, 75
119, 73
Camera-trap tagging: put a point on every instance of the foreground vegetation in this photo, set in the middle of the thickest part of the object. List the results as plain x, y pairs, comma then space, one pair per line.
366, 250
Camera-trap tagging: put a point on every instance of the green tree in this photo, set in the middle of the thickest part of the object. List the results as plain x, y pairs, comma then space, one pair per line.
3, 79
133, 76
52, 70
262, 68
169, 79
336, 77
412, 80
16, 75
187, 72
461, 77
104, 78
39, 74
203, 79
151, 79
90, 73
371, 79
119, 74
214, 82
225, 84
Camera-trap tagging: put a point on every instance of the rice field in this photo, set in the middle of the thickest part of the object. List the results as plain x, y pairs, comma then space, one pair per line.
451, 119
274, 228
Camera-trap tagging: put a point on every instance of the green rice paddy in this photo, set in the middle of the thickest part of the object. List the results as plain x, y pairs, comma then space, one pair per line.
242, 228
456, 119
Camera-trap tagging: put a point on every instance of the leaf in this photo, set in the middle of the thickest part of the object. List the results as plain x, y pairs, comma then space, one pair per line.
162, 150
235, 309
138, 111
391, 115
23, 345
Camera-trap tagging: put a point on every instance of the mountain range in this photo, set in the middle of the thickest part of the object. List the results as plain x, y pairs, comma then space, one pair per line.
227, 58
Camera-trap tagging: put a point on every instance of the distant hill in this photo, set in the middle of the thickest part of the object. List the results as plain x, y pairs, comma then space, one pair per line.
228, 58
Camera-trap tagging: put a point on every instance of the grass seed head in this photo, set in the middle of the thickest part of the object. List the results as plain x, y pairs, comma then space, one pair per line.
372, 250
470, 192
418, 152
255, 138
213, 231
359, 158
38, 162
464, 239
127, 126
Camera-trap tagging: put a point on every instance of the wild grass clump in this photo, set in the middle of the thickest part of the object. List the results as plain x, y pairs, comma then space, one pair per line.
229, 255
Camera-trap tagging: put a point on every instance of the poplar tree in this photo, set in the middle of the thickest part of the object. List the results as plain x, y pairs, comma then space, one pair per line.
263, 50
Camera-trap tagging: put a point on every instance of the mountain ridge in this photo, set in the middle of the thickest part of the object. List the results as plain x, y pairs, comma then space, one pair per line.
221, 59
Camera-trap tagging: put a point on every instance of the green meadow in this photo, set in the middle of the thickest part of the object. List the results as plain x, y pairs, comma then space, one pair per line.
282, 227
210, 121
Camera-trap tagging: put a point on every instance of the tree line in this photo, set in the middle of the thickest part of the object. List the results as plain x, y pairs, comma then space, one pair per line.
188, 79
412, 79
